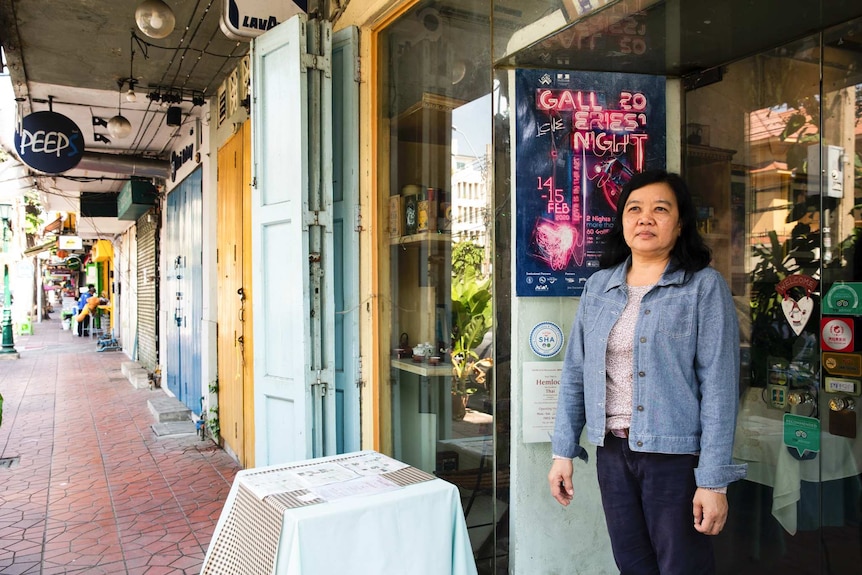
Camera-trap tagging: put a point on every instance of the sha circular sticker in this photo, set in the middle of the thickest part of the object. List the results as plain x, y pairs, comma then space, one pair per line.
546, 339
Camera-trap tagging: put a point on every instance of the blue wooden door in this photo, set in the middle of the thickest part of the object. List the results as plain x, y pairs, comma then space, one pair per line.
184, 291
345, 208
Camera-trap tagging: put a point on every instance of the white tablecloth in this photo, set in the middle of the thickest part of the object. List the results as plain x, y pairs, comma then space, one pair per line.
760, 444
418, 528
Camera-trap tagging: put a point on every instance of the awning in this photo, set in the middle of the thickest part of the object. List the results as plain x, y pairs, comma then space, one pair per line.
49, 245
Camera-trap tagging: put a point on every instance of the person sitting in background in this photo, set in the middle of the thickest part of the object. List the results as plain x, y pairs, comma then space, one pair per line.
84, 322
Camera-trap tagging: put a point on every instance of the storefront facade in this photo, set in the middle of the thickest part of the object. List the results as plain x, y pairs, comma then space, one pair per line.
757, 106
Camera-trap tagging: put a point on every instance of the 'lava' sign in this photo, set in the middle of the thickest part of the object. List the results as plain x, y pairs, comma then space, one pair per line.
243, 20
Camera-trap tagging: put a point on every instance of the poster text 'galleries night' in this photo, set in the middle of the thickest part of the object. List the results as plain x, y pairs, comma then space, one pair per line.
580, 137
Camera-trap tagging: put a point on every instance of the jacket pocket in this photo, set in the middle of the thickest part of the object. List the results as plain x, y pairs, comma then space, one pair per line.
676, 318
592, 314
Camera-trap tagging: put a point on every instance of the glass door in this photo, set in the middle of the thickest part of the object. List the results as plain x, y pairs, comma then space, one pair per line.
772, 151
439, 407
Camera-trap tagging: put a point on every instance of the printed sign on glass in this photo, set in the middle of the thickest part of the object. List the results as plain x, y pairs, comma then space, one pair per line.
580, 138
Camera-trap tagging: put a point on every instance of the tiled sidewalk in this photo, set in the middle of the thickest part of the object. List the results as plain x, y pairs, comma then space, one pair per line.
90, 488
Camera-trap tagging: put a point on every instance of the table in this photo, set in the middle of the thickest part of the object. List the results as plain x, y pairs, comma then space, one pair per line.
760, 444
357, 513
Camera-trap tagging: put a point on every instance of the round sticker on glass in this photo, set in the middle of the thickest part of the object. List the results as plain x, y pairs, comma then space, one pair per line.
546, 339
836, 334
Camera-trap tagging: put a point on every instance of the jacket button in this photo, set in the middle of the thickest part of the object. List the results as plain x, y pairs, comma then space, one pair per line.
646, 312
641, 373
640, 408
640, 443
643, 340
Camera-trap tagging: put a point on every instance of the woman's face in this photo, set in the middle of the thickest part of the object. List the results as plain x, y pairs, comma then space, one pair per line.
651, 223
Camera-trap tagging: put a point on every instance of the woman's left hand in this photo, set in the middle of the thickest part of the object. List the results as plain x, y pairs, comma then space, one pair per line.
710, 511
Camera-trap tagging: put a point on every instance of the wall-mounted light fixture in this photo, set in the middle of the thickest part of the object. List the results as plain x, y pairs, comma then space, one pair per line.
155, 18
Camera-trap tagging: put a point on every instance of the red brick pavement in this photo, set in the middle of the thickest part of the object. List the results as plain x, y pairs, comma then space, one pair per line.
92, 489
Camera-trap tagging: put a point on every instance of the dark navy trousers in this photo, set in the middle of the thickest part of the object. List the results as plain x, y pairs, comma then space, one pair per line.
647, 498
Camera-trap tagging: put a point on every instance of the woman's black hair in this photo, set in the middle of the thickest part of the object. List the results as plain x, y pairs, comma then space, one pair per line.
690, 253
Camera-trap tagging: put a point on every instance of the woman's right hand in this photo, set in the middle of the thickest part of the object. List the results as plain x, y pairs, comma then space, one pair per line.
560, 480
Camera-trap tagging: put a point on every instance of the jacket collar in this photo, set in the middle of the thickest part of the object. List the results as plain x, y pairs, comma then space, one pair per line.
618, 275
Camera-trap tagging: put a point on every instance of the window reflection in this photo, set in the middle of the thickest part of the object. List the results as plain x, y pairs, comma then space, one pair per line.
434, 154
791, 146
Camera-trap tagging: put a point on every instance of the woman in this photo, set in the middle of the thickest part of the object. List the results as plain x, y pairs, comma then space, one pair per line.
651, 370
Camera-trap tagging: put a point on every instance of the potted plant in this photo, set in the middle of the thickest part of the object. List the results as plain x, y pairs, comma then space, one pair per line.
471, 319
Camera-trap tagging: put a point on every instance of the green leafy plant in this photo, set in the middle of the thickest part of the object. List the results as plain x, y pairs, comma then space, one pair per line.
213, 423
32, 216
466, 255
471, 319
776, 260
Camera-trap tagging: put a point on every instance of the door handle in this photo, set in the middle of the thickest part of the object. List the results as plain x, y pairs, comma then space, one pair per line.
842, 404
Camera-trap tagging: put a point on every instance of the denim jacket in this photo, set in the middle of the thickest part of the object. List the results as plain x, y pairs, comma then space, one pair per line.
685, 370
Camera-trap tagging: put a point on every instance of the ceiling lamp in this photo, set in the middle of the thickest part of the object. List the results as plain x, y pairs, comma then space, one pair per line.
119, 127
155, 18
130, 95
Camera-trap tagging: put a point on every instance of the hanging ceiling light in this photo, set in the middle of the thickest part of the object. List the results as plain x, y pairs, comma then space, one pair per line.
155, 18
130, 95
118, 126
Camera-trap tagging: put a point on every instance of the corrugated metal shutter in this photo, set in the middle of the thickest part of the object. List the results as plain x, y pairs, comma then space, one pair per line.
148, 294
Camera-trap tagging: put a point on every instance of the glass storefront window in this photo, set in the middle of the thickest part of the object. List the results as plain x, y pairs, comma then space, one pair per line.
774, 150
437, 270
769, 138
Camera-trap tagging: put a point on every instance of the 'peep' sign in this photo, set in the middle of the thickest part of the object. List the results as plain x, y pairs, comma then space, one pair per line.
49, 142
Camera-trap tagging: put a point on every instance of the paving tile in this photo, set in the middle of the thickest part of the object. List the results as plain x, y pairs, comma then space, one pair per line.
94, 491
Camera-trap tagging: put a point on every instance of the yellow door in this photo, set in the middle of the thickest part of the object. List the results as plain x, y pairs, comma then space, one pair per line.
236, 408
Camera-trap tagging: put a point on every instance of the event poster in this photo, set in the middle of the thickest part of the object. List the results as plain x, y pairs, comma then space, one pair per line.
579, 138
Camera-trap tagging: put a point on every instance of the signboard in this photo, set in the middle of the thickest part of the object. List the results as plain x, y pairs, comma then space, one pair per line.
541, 385
802, 434
843, 298
579, 138
836, 334
49, 142
841, 385
242, 20
546, 339
842, 363
136, 198
70, 243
